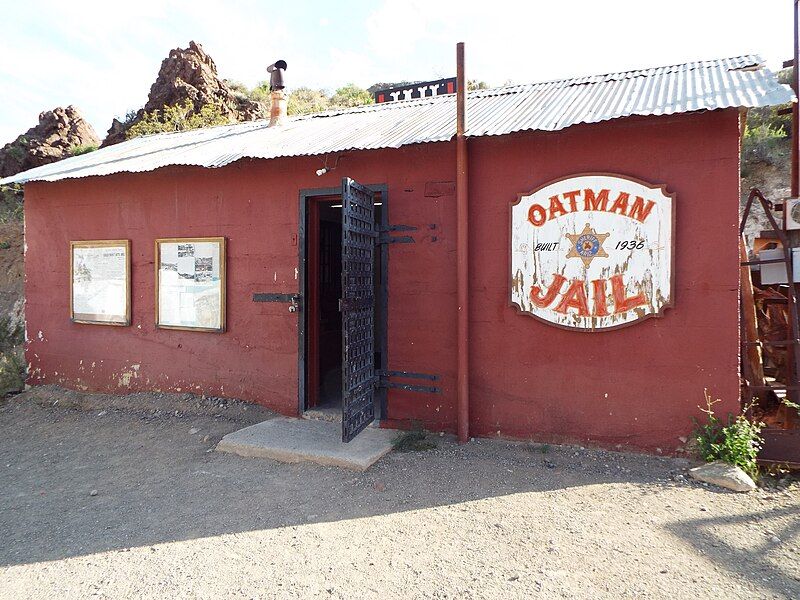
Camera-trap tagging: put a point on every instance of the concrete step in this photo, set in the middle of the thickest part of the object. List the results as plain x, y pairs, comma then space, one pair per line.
297, 440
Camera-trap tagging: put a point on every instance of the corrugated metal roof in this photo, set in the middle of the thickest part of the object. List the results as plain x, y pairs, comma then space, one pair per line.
707, 85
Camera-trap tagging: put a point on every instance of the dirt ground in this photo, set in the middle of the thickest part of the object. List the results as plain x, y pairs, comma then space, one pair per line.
123, 497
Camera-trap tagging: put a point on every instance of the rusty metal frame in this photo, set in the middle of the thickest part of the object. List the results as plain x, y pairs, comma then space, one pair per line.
792, 385
795, 169
662, 187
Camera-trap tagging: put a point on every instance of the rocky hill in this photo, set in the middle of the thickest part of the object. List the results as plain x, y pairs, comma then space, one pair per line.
190, 74
61, 132
773, 180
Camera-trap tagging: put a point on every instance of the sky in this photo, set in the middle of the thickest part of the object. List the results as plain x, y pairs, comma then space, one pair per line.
102, 56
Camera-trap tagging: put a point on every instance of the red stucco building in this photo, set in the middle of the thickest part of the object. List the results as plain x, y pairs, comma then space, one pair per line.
257, 187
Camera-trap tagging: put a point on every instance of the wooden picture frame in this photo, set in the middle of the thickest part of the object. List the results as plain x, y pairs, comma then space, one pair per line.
193, 286
91, 290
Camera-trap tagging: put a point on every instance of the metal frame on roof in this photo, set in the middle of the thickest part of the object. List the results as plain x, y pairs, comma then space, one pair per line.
739, 82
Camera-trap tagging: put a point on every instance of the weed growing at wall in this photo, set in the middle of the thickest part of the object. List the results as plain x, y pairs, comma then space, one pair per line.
415, 440
735, 442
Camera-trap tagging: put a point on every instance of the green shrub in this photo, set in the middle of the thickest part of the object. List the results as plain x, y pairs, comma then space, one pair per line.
765, 143
474, 84
82, 149
17, 152
261, 93
351, 95
179, 117
765, 131
415, 440
305, 100
238, 88
770, 117
735, 442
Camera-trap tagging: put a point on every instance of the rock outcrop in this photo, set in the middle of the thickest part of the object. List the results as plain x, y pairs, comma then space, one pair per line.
190, 74
59, 132
773, 180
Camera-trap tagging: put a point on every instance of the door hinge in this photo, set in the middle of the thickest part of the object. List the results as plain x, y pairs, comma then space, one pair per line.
385, 236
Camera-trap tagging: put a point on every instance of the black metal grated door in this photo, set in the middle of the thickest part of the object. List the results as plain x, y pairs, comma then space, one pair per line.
358, 308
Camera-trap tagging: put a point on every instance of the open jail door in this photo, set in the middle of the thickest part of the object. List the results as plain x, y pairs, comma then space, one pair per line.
357, 306
361, 237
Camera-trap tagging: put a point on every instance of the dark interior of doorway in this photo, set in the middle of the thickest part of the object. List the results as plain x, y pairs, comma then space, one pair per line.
329, 284
324, 326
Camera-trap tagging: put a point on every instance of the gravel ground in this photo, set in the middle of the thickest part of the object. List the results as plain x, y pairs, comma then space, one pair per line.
123, 497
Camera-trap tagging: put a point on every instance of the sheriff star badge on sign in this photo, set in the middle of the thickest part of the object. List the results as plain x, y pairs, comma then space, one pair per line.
587, 245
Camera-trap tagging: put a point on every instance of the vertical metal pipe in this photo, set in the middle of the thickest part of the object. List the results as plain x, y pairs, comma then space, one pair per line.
794, 350
795, 109
462, 247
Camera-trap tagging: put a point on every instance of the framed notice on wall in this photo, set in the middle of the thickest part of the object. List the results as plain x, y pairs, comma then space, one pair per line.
100, 281
190, 283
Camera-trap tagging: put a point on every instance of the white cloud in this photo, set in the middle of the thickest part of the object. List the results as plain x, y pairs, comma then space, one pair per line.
103, 56
398, 26
90, 55
533, 41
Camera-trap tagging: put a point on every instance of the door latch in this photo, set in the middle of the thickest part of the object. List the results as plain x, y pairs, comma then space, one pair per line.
292, 299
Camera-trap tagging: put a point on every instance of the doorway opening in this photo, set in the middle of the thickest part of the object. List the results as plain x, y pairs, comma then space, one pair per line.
329, 290
321, 336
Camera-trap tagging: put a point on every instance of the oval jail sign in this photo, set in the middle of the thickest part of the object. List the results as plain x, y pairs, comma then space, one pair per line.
592, 251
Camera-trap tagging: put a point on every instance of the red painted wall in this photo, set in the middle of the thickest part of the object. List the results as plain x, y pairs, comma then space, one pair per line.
637, 386
255, 204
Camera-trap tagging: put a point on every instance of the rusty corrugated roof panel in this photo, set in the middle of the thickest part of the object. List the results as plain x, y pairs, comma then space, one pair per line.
550, 106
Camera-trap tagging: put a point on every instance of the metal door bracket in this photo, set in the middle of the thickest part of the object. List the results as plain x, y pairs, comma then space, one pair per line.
291, 298
383, 381
386, 238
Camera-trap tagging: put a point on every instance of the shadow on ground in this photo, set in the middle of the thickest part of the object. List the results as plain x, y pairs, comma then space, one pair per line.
158, 480
753, 561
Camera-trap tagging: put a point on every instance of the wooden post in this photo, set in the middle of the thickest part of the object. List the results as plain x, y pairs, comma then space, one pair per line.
752, 354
